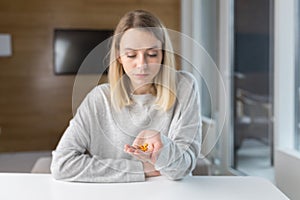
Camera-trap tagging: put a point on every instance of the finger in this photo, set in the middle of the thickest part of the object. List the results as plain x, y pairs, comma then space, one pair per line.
144, 156
151, 147
138, 152
136, 146
157, 146
138, 141
128, 148
132, 147
135, 153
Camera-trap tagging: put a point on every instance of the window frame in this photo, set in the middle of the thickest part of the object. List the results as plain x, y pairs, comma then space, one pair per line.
297, 78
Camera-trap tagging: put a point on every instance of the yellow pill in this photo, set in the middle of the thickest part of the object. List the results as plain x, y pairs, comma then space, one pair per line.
144, 147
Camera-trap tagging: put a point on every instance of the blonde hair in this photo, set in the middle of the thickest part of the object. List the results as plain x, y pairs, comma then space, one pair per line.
164, 83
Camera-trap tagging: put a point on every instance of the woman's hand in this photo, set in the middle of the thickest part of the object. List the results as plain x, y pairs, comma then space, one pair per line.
146, 147
150, 170
152, 139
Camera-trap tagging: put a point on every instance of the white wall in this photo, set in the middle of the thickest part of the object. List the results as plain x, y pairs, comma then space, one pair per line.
208, 22
199, 21
287, 160
284, 71
287, 165
225, 33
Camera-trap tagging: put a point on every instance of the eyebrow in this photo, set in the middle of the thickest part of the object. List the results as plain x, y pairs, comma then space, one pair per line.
153, 47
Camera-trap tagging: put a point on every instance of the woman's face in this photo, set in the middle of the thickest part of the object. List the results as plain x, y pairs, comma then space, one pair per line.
141, 57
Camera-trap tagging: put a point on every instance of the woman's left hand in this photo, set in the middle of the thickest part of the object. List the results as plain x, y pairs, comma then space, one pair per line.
154, 144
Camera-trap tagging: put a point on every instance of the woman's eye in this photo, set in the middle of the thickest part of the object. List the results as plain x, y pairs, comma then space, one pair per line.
152, 54
131, 55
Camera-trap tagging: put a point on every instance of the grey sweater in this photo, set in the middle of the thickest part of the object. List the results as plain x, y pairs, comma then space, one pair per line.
91, 149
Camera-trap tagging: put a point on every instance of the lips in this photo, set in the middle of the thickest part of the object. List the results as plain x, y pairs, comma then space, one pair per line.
141, 75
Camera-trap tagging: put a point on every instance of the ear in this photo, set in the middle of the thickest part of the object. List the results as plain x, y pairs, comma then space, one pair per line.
119, 60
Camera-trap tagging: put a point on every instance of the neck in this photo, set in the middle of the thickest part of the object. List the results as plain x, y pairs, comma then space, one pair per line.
145, 89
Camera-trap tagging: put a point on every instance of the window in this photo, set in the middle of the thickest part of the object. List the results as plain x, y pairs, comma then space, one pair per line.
253, 87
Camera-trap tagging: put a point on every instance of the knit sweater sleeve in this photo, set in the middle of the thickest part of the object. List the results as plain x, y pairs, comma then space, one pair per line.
72, 162
183, 142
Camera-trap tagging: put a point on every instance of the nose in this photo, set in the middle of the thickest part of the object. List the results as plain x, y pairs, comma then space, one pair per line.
141, 61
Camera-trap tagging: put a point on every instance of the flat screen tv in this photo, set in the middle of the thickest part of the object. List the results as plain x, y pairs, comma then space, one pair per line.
72, 46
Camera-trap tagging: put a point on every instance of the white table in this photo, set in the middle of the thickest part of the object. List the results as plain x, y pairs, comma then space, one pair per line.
43, 187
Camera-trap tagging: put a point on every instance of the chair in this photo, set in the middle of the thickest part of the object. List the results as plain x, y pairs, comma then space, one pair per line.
253, 119
42, 165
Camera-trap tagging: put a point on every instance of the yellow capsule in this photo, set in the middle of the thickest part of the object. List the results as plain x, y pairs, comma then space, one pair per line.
144, 147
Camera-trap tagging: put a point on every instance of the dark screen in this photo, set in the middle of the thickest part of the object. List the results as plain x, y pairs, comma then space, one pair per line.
71, 47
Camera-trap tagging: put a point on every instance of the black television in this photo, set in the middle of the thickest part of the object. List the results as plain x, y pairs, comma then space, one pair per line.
72, 46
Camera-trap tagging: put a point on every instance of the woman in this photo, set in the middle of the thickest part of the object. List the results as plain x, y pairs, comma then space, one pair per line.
145, 122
